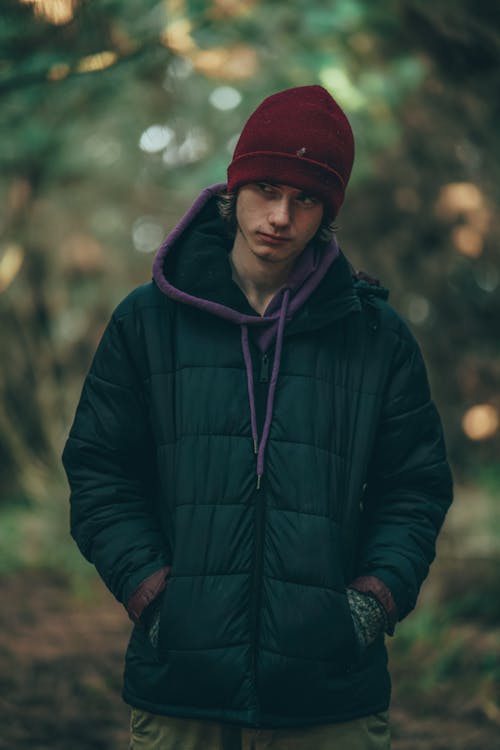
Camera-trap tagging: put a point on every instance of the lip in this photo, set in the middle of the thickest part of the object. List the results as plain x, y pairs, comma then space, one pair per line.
273, 239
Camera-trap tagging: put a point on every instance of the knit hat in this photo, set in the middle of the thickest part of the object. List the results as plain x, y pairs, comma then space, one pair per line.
298, 137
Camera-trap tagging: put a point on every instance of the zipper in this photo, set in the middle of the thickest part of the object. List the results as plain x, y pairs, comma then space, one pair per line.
262, 379
259, 521
256, 586
354, 523
264, 369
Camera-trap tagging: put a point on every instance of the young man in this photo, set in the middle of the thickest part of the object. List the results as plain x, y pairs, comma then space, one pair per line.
257, 469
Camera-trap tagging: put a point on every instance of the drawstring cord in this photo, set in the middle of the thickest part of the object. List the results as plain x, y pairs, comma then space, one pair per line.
248, 365
260, 446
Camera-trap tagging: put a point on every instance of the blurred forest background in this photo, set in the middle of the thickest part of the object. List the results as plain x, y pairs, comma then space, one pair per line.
114, 114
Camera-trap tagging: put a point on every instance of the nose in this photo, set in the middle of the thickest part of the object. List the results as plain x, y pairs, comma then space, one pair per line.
281, 213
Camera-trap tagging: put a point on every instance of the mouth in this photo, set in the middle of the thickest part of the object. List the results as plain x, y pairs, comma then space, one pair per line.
273, 239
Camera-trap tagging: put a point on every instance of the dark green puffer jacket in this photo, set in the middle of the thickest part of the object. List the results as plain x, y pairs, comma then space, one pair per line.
255, 624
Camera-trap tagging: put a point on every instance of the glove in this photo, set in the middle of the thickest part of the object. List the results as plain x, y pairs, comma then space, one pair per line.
369, 617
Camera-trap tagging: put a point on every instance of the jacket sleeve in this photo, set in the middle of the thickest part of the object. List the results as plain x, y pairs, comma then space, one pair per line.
409, 488
109, 458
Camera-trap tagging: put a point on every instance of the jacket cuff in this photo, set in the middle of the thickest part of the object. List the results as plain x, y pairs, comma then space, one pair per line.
146, 592
378, 589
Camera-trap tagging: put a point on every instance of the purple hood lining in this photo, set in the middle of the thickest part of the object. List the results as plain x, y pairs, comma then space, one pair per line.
306, 275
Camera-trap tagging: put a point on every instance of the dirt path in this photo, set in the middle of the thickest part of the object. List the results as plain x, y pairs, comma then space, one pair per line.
60, 677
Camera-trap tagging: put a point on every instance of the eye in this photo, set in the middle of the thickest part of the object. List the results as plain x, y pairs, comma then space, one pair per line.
266, 188
308, 200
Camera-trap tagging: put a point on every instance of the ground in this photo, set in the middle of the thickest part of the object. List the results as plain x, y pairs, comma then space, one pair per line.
61, 665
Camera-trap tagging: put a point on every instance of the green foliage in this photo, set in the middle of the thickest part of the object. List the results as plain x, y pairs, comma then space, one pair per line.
416, 81
433, 651
488, 477
80, 198
34, 536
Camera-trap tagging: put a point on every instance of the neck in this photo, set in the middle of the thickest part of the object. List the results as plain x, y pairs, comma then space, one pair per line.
258, 280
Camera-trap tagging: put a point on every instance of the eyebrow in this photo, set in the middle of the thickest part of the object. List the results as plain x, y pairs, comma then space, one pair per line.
282, 185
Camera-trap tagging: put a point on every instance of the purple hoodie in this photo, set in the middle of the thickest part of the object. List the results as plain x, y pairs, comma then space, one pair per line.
308, 271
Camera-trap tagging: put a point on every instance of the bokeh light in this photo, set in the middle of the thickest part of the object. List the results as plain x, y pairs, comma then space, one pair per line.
225, 98
464, 202
10, 264
156, 138
57, 12
100, 61
481, 422
147, 234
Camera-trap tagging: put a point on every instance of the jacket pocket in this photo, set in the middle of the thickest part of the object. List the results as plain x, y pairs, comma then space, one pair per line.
353, 648
345, 651
307, 622
162, 645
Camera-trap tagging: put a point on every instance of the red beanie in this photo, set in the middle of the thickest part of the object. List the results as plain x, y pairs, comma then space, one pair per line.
298, 137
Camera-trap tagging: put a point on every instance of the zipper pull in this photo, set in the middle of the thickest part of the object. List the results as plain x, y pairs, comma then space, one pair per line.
264, 369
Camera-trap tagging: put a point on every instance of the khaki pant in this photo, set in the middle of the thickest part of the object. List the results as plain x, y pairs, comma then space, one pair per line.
152, 732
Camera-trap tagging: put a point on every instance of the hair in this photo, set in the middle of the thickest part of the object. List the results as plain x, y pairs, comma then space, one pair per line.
226, 205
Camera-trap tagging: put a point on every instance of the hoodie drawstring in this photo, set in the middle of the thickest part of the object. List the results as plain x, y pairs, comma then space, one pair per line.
248, 365
260, 446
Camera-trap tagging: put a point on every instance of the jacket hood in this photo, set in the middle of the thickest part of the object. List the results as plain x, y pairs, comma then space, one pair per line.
192, 267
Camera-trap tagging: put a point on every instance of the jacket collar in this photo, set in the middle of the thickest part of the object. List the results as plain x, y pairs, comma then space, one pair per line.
192, 267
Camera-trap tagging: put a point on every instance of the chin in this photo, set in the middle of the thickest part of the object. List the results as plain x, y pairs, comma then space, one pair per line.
269, 256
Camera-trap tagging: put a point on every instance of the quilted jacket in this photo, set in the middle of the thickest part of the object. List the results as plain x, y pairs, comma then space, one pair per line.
266, 475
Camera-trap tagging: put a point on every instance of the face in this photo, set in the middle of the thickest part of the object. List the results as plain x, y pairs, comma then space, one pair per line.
275, 222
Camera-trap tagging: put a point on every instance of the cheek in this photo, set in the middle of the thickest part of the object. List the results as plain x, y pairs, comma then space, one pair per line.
247, 214
314, 224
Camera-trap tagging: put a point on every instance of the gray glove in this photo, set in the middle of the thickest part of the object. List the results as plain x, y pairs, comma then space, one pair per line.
369, 617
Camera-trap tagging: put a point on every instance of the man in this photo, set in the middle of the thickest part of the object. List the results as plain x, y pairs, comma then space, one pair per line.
257, 469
